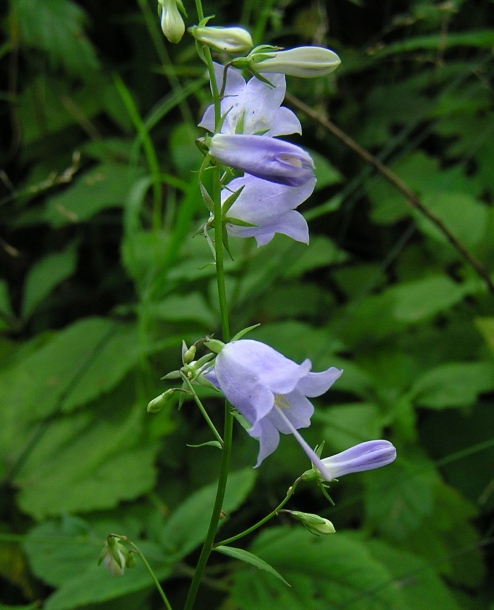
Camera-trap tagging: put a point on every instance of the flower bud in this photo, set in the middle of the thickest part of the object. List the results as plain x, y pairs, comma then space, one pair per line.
314, 523
172, 24
188, 354
364, 456
305, 62
114, 556
160, 401
231, 40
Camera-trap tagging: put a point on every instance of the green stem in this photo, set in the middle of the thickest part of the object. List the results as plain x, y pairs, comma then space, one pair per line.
153, 575
203, 410
272, 514
225, 327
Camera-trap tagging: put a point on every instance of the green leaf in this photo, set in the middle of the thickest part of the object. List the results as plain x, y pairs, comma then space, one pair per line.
104, 186
338, 571
106, 459
486, 328
454, 384
5, 306
251, 559
419, 585
322, 253
325, 173
56, 27
349, 424
464, 216
426, 297
44, 276
399, 497
188, 525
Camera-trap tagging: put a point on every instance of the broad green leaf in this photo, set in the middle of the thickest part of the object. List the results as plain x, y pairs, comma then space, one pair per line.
325, 173
104, 186
188, 524
105, 459
188, 307
486, 328
44, 276
426, 297
56, 27
250, 558
400, 496
5, 307
464, 216
349, 424
416, 579
321, 253
325, 572
454, 384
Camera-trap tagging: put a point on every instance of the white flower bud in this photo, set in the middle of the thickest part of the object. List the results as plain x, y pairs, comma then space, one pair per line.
306, 62
172, 24
230, 40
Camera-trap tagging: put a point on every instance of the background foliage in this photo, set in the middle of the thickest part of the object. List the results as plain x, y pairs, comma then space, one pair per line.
101, 280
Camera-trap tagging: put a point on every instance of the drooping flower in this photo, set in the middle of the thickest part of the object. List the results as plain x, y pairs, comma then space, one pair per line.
269, 206
252, 107
305, 62
232, 40
172, 23
364, 456
270, 391
267, 158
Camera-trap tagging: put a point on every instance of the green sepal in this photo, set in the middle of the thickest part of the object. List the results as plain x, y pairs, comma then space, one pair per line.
172, 375
230, 200
206, 197
238, 223
207, 444
244, 331
215, 345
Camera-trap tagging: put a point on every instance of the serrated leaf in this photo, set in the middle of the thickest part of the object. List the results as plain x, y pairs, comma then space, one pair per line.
324, 573
425, 297
105, 461
104, 186
188, 525
56, 27
454, 384
250, 558
44, 276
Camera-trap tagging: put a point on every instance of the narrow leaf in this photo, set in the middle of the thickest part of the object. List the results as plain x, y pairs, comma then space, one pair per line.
254, 560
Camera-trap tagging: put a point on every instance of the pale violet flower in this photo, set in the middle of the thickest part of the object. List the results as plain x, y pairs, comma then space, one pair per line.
252, 107
364, 456
270, 391
267, 158
270, 207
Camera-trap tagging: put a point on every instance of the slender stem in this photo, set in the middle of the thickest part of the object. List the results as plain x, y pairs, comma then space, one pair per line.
272, 514
398, 183
153, 576
220, 280
202, 410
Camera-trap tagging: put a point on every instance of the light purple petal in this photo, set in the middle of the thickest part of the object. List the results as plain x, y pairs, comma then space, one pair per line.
268, 437
316, 384
364, 456
266, 158
284, 122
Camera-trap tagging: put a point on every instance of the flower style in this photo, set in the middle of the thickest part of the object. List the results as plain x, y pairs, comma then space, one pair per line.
271, 392
268, 206
251, 107
266, 158
364, 456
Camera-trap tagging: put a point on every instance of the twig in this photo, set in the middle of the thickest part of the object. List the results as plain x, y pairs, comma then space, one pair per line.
398, 183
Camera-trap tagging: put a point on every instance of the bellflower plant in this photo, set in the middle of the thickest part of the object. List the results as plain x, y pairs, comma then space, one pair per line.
271, 392
270, 207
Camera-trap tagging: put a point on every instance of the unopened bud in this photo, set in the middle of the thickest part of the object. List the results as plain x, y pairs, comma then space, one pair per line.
305, 62
114, 556
155, 405
188, 354
230, 40
172, 23
314, 523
